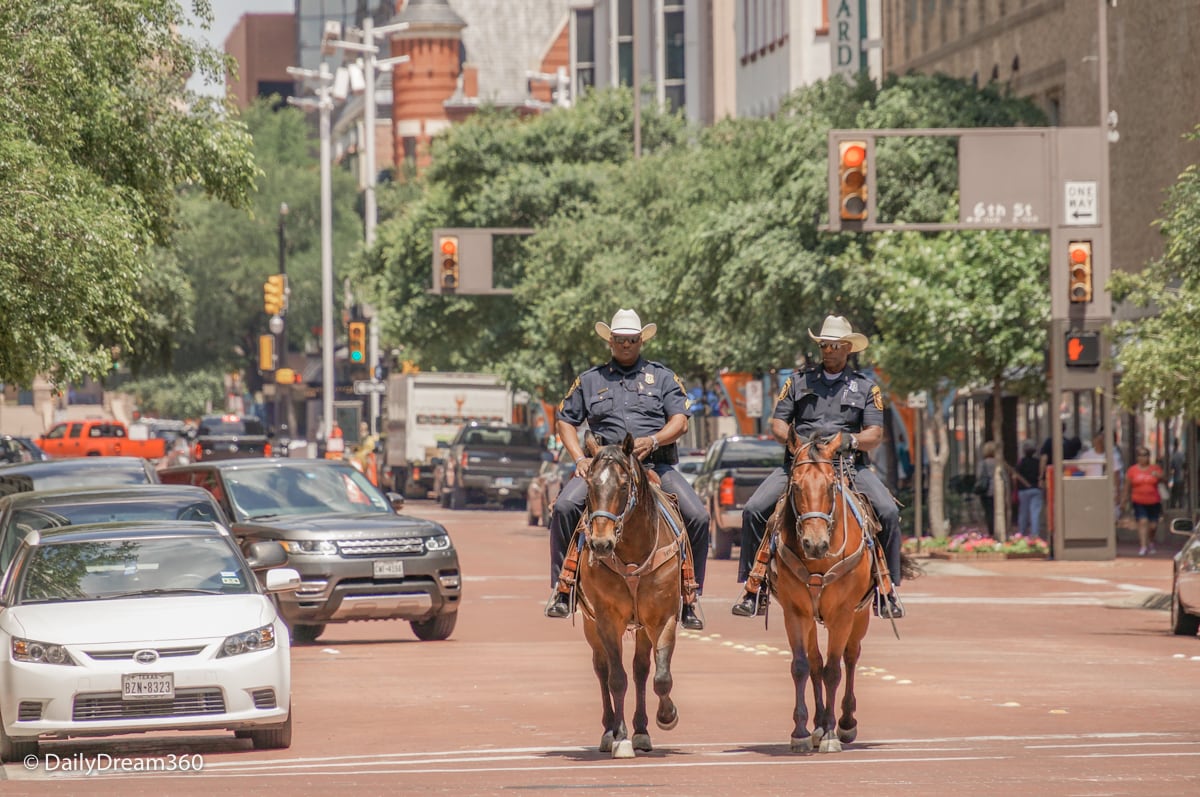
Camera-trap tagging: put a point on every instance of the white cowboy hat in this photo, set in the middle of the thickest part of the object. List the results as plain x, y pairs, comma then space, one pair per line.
837, 328
626, 322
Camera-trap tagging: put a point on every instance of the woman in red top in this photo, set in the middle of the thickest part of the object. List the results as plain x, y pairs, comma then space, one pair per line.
1141, 493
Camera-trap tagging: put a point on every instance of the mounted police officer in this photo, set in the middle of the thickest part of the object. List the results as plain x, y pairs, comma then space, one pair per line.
627, 395
824, 400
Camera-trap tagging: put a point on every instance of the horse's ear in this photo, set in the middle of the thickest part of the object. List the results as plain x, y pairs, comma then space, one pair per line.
591, 446
793, 442
627, 444
831, 444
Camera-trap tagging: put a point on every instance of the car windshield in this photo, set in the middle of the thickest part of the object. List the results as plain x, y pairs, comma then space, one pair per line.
24, 520
752, 454
502, 436
124, 568
111, 476
262, 493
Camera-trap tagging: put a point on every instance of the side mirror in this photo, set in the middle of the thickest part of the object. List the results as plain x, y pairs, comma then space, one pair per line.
396, 500
265, 554
282, 579
1182, 526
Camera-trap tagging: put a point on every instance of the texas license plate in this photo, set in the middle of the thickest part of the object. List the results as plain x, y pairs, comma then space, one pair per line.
148, 686
504, 481
389, 568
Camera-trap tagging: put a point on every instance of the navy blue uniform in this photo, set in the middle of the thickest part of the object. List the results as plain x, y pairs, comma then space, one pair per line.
614, 401
815, 404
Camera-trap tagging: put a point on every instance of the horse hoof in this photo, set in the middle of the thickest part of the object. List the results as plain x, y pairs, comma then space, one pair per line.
817, 735
641, 741
831, 746
804, 745
606, 742
624, 749
670, 724
847, 735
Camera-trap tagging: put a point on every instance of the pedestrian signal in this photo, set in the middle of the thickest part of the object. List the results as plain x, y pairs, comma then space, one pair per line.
852, 180
358, 341
448, 276
266, 353
1083, 349
1079, 260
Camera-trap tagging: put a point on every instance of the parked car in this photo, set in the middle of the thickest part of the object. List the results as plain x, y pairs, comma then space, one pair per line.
1185, 584
22, 513
358, 559
733, 469
50, 474
119, 628
544, 489
229, 437
98, 438
689, 466
19, 449
491, 462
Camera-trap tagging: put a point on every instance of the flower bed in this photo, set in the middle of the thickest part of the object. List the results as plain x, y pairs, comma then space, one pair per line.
974, 545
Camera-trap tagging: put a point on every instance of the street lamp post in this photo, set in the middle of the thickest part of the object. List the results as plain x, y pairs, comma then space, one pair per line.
369, 34
324, 104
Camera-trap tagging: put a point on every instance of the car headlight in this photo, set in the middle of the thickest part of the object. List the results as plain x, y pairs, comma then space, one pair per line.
438, 542
40, 652
248, 642
310, 546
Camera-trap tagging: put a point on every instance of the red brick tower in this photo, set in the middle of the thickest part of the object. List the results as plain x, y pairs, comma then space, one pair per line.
420, 87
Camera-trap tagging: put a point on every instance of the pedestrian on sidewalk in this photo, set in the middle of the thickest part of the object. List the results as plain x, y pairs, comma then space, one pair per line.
1029, 492
1142, 495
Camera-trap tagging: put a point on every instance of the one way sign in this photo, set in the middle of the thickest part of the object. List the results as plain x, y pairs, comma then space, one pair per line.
1081, 204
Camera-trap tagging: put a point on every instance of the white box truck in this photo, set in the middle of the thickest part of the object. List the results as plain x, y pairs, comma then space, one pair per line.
425, 409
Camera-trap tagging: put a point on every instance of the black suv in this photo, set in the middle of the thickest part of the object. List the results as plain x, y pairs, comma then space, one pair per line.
229, 437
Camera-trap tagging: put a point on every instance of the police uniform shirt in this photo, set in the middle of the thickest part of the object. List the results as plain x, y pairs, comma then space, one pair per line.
814, 403
615, 400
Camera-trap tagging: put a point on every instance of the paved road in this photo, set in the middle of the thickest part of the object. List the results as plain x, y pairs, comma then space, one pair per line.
1011, 678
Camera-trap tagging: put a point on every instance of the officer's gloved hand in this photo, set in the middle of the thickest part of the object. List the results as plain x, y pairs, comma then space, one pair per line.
848, 445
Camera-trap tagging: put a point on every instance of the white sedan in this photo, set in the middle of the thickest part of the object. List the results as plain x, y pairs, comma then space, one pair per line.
124, 627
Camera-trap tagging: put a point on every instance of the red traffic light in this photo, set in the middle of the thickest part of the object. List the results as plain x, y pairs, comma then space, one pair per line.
449, 246
1079, 260
853, 156
852, 180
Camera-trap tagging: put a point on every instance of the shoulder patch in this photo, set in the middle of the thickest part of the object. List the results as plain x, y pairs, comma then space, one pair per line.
573, 388
787, 385
877, 397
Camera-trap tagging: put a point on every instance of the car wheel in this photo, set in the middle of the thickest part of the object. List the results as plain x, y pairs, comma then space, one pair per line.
1182, 623
440, 627
278, 738
458, 497
306, 634
721, 542
12, 750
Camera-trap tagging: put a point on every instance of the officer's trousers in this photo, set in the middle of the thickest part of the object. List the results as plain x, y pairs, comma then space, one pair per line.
760, 506
570, 503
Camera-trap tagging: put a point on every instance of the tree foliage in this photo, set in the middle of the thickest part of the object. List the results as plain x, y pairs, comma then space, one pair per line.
1160, 351
96, 134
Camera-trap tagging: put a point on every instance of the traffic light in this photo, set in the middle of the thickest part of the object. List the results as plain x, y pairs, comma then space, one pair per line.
852, 180
358, 342
448, 246
266, 352
1079, 258
275, 294
1083, 349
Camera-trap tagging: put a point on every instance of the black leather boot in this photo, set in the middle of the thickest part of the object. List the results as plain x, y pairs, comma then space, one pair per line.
692, 617
751, 605
559, 605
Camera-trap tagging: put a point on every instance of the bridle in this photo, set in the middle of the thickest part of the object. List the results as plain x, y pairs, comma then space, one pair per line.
630, 502
836, 487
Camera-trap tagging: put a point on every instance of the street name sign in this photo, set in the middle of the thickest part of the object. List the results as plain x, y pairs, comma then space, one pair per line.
365, 387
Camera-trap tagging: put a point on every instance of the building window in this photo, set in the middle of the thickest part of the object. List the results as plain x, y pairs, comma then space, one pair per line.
674, 42
625, 42
585, 50
410, 150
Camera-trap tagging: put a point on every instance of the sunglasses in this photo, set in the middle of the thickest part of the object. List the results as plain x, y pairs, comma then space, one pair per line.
626, 339
1143, 453
831, 346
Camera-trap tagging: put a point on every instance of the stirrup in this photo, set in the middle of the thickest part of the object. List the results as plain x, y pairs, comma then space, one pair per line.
559, 605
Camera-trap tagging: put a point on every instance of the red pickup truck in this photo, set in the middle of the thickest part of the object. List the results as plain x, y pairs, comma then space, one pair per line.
98, 438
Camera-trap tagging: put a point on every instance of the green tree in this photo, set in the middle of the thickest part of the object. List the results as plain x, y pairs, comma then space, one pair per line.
1158, 353
88, 179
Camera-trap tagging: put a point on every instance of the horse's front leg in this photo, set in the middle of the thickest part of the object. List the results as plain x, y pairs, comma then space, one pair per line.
641, 673
602, 663
847, 724
797, 635
839, 632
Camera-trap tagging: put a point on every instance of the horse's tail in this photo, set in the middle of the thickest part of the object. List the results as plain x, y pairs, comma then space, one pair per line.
909, 567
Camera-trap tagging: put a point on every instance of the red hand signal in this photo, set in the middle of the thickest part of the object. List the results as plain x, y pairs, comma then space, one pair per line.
1074, 349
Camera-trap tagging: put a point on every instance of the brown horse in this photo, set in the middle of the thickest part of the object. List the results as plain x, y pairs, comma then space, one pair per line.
629, 580
822, 573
